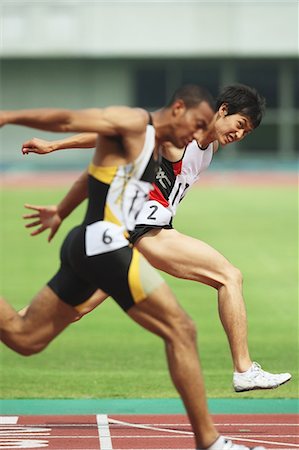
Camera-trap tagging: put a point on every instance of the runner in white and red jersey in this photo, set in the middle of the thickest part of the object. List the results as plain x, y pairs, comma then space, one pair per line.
238, 111
172, 182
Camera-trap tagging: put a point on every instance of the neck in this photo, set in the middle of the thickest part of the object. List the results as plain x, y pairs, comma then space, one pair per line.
205, 140
209, 135
161, 124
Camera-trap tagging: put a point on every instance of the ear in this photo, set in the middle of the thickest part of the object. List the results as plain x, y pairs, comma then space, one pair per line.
223, 110
178, 107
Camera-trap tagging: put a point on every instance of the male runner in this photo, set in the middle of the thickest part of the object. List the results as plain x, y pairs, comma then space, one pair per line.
118, 177
239, 111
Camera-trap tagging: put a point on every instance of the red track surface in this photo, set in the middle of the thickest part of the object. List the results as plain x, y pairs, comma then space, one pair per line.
142, 432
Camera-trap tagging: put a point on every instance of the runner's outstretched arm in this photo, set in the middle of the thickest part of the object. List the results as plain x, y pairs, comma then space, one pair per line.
110, 121
82, 140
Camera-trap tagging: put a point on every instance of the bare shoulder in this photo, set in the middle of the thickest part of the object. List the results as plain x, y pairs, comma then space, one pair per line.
128, 119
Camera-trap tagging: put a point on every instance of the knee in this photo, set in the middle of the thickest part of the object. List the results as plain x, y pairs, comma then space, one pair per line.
29, 348
22, 340
184, 330
233, 275
190, 330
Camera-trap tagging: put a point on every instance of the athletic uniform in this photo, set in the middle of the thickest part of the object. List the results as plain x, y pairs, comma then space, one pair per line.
172, 182
96, 255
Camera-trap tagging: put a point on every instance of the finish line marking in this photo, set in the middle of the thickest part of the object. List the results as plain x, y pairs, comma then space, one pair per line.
104, 432
9, 420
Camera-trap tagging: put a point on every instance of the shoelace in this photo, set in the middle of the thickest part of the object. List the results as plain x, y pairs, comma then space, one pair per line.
256, 366
260, 372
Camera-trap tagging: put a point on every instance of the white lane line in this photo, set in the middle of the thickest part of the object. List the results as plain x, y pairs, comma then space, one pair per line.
90, 425
245, 424
152, 436
248, 424
260, 441
147, 427
24, 443
104, 432
8, 420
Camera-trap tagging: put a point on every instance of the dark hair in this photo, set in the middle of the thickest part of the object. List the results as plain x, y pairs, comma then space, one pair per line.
242, 99
192, 95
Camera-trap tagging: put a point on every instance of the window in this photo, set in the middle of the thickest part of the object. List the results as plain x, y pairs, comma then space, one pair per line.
150, 87
296, 84
262, 140
262, 75
204, 73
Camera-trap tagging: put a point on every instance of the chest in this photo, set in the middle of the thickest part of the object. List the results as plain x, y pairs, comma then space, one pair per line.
174, 178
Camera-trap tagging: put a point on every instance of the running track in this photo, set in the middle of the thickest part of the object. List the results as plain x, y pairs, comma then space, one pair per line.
141, 432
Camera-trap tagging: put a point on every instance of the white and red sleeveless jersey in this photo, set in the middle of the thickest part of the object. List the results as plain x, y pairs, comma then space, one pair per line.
172, 182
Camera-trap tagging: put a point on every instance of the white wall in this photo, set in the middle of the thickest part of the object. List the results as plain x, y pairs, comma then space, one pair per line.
149, 28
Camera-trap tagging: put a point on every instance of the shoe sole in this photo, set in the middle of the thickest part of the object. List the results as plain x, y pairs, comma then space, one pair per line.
262, 388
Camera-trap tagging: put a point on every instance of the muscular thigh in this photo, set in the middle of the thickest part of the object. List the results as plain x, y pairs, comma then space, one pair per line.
184, 257
160, 313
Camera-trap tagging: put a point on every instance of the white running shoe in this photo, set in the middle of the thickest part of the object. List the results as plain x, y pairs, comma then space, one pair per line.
257, 378
223, 443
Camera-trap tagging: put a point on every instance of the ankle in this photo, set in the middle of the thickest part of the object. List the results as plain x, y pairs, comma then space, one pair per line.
212, 445
243, 366
208, 441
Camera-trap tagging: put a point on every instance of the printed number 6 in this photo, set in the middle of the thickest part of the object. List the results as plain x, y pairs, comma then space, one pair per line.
106, 238
151, 215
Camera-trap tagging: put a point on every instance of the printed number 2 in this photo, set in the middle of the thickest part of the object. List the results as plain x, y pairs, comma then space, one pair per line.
106, 238
151, 215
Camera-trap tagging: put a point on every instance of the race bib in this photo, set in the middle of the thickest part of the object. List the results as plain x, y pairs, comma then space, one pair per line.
103, 237
153, 213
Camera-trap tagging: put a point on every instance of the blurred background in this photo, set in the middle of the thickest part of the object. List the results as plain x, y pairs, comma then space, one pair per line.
92, 54
95, 53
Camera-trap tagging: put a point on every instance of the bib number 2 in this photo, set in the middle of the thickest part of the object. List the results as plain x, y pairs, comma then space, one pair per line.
153, 213
154, 209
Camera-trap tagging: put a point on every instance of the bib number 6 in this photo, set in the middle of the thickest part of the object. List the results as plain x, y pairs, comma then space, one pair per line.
106, 238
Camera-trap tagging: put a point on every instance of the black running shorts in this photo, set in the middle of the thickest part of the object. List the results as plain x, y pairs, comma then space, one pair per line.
123, 274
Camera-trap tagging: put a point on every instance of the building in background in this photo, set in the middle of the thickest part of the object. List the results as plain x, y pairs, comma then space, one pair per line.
88, 54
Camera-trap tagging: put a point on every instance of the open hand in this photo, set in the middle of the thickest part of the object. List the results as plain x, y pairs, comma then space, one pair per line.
45, 217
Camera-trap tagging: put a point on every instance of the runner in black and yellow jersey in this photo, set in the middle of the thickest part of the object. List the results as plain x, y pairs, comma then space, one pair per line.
97, 248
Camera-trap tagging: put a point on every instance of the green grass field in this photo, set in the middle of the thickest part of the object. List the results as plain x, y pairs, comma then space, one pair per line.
107, 355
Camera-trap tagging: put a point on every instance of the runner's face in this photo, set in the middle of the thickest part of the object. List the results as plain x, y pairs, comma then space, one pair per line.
232, 128
189, 121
